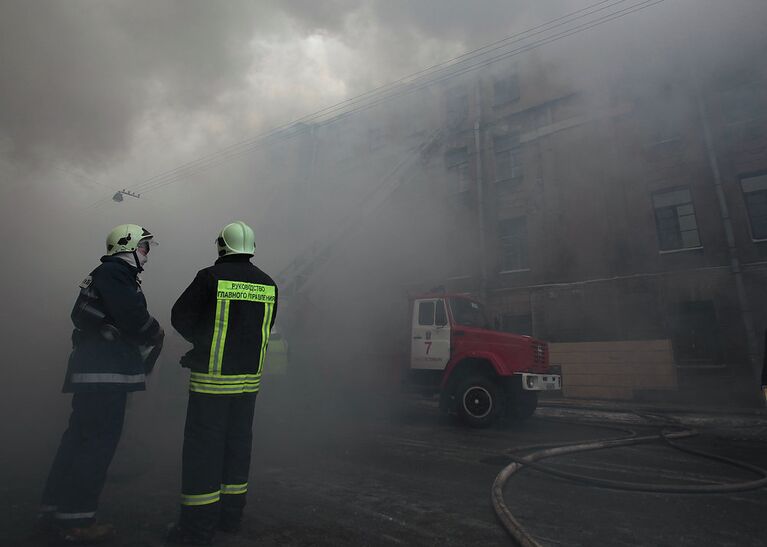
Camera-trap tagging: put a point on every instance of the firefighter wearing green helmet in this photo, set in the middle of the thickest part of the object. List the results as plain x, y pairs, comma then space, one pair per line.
227, 314
113, 331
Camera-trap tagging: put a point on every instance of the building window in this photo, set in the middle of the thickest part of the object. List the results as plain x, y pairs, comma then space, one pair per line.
512, 234
460, 248
675, 220
457, 105
505, 90
508, 158
755, 194
457, 163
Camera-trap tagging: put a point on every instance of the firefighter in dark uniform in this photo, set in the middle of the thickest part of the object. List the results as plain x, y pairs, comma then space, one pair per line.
227, 313
112, 328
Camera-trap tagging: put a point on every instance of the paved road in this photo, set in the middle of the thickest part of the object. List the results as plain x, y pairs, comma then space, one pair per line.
335, 472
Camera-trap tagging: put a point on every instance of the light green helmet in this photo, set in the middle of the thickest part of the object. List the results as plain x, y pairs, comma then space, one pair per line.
126, 237
236, 238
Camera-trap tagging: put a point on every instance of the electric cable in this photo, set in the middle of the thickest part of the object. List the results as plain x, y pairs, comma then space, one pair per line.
332, 109
308, 265
556, 37
213, 159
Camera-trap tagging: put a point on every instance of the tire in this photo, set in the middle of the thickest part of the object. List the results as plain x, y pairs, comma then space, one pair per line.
523, 404
480, 401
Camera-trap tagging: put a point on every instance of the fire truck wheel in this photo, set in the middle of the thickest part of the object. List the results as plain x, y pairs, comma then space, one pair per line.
523, 404
480, 401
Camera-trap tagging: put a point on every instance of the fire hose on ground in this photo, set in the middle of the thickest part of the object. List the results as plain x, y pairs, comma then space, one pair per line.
525, 539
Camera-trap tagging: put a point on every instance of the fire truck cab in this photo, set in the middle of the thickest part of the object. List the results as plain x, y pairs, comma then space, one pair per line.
479, 373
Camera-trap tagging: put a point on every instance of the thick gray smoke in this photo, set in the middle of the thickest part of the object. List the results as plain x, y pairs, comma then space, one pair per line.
100, 96
80, 78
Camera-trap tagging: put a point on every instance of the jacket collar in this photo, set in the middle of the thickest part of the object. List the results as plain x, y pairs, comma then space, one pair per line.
118, 260
234, 258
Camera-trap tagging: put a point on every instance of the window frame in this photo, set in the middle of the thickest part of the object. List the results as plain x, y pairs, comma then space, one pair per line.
516, 167
660, 231
524, 251
457, 104
746, 202
508, 145
459, 171
424, 304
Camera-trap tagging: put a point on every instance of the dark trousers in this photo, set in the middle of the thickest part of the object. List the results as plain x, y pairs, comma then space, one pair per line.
79, 469
216, 460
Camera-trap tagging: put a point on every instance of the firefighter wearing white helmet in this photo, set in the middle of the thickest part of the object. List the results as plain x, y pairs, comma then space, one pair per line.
236, 238
112, 328
229, 344
129, 238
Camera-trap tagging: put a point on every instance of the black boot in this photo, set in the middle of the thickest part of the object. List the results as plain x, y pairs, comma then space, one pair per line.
84, 535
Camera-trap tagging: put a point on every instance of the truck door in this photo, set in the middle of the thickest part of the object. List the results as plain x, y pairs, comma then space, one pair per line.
430, 346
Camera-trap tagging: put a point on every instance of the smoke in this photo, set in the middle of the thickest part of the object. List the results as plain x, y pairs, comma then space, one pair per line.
81, 79
99, 96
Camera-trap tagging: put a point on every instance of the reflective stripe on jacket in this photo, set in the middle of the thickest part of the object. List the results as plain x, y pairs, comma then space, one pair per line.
227, 313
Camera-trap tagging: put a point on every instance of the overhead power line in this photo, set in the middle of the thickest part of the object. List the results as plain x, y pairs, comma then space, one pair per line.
409, 79
451, 68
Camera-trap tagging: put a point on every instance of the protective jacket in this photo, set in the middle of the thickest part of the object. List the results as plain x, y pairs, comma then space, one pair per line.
227, 313
111, 323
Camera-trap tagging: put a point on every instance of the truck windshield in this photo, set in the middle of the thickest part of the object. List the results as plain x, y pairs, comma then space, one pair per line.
468, 313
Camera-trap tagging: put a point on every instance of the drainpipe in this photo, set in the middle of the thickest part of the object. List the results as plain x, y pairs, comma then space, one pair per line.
480, 195
735, 269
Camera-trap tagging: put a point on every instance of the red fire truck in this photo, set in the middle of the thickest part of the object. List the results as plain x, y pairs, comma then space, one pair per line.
479, 373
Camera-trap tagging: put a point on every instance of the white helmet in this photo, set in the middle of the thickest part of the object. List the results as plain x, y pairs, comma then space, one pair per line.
126, 237
236, 238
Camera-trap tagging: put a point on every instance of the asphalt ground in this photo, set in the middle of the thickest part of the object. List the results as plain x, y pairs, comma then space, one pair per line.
332, 471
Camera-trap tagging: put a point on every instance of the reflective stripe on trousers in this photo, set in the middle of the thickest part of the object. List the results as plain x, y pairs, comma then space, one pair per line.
224, 384
232, 489
106, 378
200, 499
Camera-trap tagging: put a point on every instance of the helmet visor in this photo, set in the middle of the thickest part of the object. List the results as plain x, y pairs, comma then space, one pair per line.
147, 244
